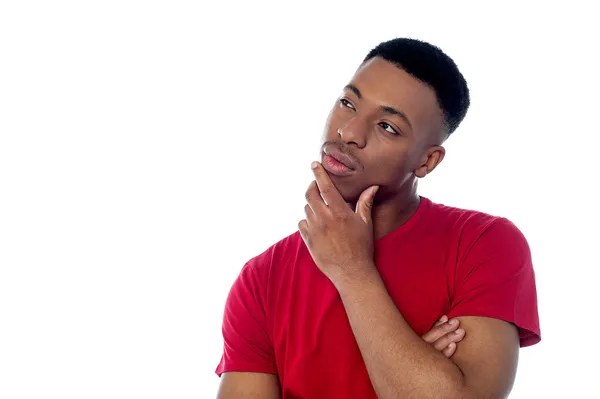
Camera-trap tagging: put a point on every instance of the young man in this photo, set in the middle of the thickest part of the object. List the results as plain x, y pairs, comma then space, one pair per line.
339, 309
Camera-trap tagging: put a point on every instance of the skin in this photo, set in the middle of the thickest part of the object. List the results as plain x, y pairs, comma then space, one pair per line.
344, 215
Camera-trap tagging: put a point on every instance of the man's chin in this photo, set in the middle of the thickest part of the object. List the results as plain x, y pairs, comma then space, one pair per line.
349, 195
348, 189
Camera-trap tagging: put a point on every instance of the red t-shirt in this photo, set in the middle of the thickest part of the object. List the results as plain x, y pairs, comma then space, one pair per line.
283, 316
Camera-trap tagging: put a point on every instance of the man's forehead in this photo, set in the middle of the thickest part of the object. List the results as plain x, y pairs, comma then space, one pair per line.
382, 77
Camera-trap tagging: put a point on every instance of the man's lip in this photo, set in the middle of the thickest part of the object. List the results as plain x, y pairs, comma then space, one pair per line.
334, 167
341, 158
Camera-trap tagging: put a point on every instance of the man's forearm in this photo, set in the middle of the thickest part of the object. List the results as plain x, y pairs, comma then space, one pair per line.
399, 362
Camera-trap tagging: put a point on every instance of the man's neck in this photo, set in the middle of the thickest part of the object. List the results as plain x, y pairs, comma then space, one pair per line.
390, 215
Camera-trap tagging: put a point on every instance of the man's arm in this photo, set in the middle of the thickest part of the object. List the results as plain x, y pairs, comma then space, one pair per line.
401, 364
247, 367
236, 385
249, 386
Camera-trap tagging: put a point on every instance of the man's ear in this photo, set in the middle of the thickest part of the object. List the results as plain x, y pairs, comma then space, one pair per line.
432, 158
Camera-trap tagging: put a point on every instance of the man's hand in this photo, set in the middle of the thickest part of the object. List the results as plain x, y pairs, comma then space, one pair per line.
339, 239
444, 336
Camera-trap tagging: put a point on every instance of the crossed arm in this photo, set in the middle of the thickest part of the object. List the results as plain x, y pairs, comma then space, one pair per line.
486, 358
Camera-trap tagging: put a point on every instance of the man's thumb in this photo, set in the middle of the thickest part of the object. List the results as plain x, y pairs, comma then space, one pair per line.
365, 203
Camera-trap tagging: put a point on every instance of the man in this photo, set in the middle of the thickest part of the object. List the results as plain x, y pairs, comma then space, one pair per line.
340, 308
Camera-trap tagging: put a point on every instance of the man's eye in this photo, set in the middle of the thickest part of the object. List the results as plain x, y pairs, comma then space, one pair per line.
346, 103
388, 127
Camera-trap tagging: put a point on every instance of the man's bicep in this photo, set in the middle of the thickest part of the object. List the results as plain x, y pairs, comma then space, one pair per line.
249, 386
248, 346
488, 356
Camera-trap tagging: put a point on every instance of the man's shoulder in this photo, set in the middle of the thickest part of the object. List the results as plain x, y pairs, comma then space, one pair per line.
465, 218
286, 247
471, 225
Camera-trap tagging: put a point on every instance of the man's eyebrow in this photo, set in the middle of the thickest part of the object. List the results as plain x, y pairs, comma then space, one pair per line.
384, 108
394, 111
354, 90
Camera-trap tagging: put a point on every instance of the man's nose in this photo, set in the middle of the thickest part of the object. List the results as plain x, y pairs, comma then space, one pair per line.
355, 131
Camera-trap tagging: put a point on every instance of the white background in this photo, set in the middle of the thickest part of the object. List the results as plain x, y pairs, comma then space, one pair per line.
148, 149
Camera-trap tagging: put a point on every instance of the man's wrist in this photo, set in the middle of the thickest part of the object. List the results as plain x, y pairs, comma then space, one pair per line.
364, 274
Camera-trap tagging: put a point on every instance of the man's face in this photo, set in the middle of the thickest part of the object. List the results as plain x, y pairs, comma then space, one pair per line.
386, 126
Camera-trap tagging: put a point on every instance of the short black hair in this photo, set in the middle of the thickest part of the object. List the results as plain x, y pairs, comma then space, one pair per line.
433, 67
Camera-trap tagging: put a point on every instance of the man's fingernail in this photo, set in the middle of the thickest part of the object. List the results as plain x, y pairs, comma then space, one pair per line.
453, 322
459, 331
314, 165
444, 318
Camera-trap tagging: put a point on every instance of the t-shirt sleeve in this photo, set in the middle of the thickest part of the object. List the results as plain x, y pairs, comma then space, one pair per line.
496, 279
247, 344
